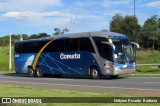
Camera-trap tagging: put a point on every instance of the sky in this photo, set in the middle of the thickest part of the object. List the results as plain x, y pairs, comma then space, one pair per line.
42, 16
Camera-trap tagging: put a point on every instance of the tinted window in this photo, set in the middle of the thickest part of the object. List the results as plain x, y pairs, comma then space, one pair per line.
83, 44
26, 47
86, 45
55, 46
72, 44
100, 39
17, 47
126, 42
35, 47
32, 47
105, 50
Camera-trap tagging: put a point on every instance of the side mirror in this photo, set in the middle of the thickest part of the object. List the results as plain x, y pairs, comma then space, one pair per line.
137, 45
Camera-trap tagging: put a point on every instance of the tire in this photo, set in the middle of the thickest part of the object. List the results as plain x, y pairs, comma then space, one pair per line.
94, 73
114, 76
31, 72
39, 72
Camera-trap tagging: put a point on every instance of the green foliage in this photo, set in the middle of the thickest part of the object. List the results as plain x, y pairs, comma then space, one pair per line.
117, 23
148, 69
17, 91
4, 58
151, 30
148, 57
127, 25
58, 31
131, 27
4, 41
147, 36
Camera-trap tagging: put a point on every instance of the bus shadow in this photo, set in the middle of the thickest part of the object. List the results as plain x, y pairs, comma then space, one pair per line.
16, 75
88, 77
65, 76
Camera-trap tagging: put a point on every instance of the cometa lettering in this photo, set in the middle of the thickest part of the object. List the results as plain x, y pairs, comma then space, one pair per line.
70, 56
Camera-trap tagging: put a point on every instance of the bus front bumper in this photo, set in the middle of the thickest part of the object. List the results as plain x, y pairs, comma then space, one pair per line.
119, 71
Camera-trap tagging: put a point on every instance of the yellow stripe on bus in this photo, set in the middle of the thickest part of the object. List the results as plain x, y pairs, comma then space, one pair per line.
39, 53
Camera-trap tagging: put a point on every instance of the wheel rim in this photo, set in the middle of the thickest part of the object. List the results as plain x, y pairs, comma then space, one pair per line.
95, 73
39, 72
30, 72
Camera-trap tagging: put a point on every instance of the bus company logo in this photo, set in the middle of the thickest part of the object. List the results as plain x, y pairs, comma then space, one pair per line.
70, 56
6, 100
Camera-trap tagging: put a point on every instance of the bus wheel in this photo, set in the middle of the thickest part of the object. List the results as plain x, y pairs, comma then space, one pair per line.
94, 73
114, 76
31, 72
39, 72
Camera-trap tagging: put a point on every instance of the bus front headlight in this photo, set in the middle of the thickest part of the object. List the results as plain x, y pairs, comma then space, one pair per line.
116, 70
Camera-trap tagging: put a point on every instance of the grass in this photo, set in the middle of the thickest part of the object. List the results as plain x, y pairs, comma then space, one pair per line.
4, 59
17, 91
148, 57
148, 69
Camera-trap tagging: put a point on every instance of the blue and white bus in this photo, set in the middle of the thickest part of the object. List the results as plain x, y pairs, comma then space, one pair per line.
91, 53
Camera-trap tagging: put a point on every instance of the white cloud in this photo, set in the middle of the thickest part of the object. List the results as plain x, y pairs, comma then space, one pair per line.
123, 13
61, 19
48, 15
17, 5
89, 3
39, 14
108, 3
153, 4
36, 14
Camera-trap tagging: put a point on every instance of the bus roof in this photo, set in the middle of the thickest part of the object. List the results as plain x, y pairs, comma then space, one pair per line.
78, 35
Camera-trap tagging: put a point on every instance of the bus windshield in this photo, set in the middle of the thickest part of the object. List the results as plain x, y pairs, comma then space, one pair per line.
124, 51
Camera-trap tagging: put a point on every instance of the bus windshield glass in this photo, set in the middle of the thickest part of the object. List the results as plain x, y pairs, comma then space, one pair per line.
124, 51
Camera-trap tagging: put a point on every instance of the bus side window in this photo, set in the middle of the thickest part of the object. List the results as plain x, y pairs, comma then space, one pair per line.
26, 47
86, 45
55, 46
72, 44
106, 52
18, 47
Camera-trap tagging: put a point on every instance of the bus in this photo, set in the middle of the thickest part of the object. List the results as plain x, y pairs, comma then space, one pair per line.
95, 54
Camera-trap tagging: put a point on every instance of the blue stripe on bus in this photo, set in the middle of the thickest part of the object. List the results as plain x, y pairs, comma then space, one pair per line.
117, 37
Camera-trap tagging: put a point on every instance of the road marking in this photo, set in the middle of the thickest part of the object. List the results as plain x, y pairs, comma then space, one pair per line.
87, 86
152, 82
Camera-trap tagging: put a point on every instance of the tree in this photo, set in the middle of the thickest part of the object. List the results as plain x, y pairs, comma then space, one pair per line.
34, 36
151, 29
40, 35
131, 27
4, 41
58, 31
127, 25
116, 23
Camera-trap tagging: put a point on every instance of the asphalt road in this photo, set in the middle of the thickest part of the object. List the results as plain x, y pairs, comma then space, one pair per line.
130, 86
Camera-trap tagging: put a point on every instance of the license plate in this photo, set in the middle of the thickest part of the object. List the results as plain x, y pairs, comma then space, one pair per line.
127, 71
